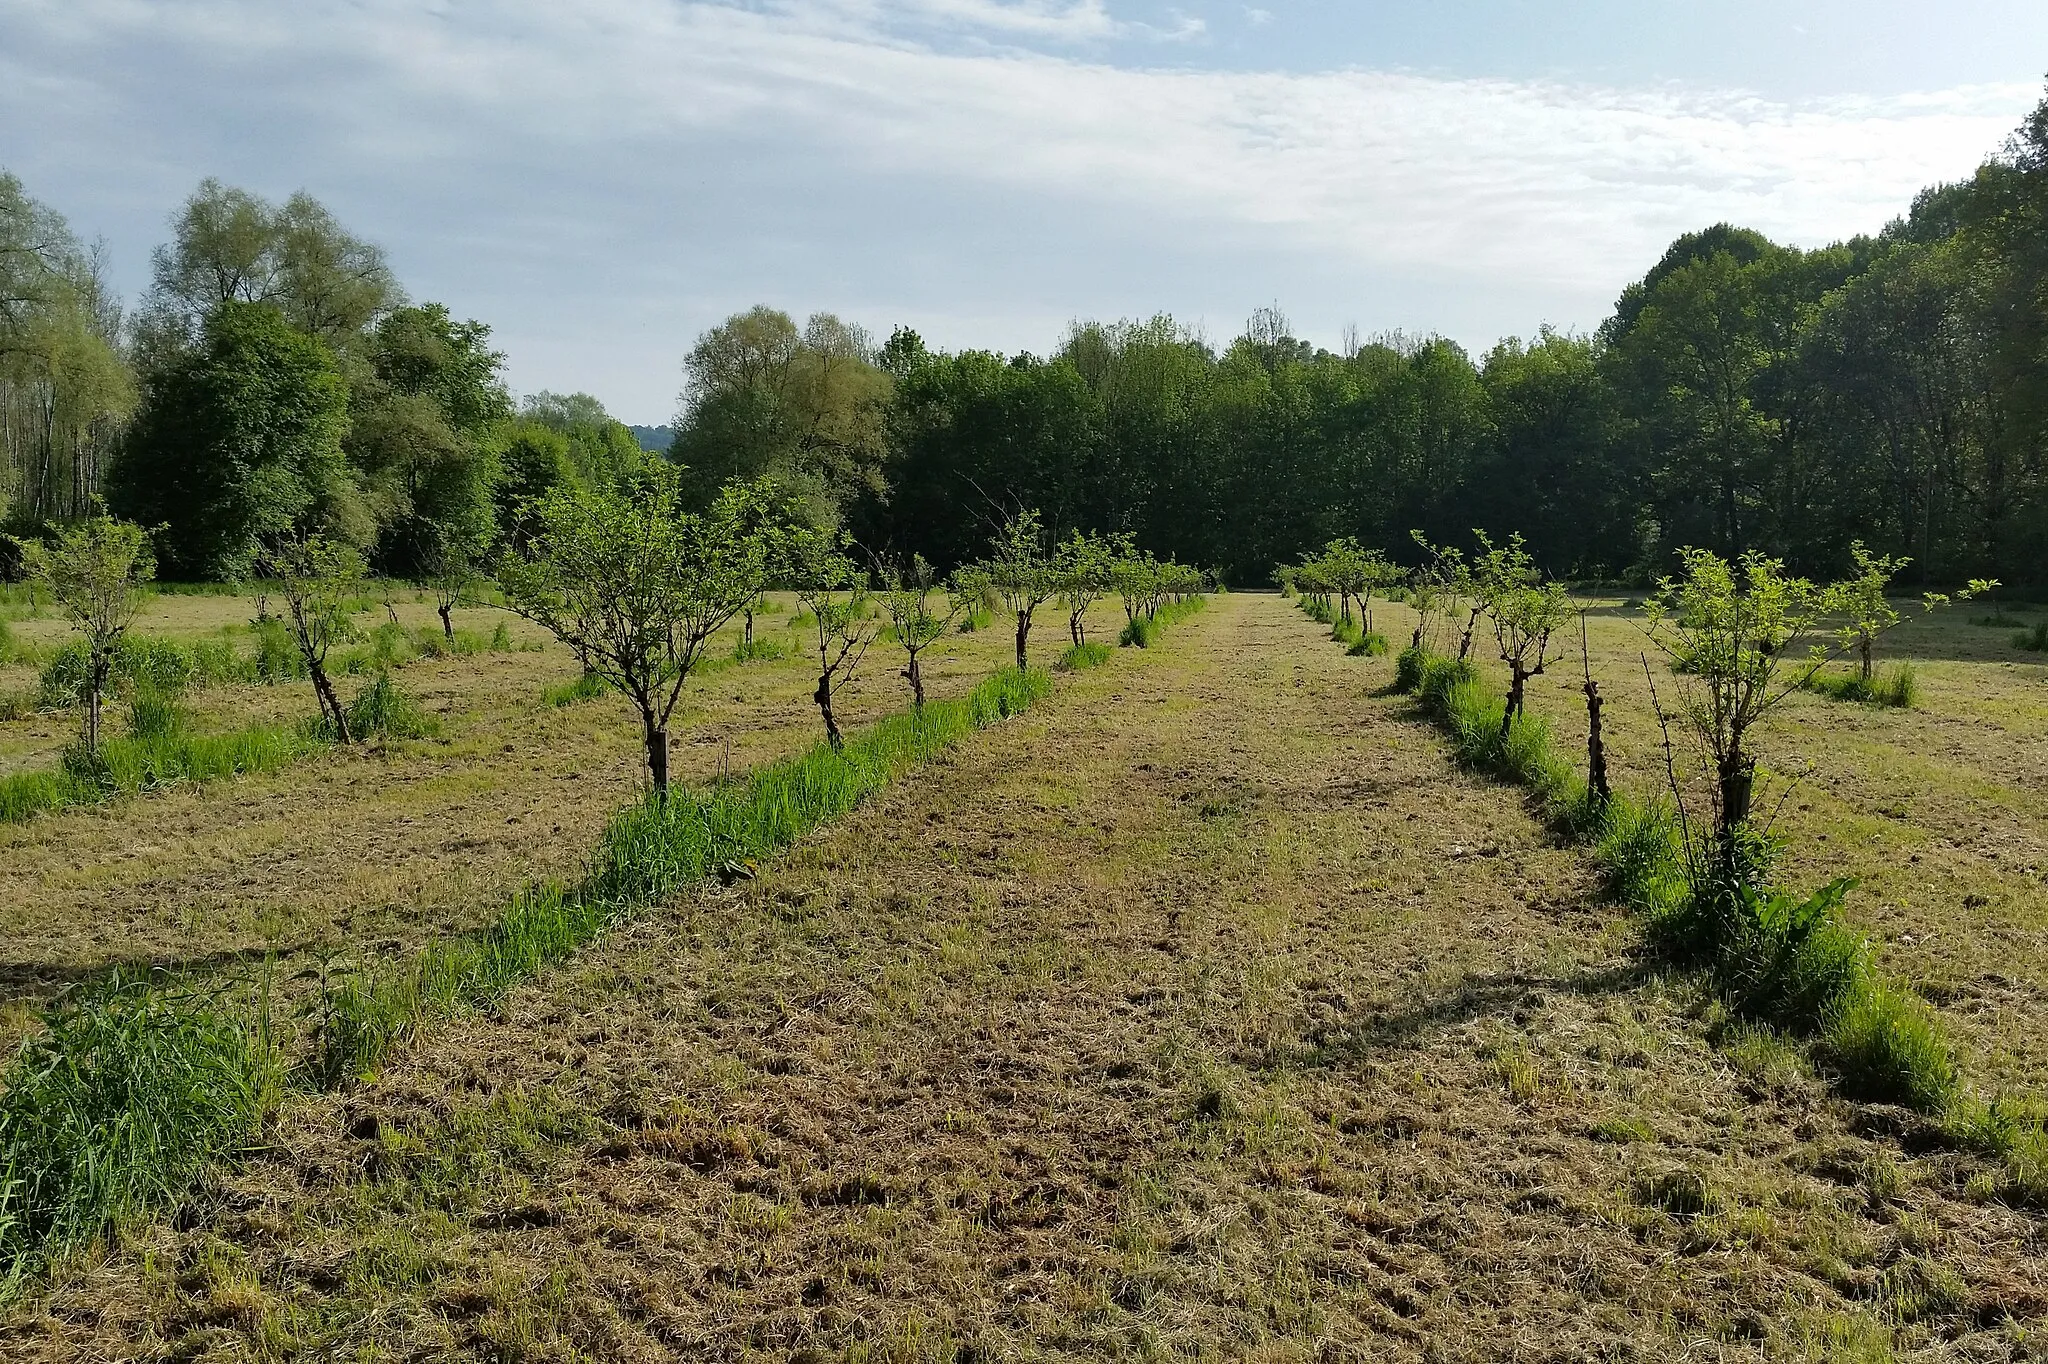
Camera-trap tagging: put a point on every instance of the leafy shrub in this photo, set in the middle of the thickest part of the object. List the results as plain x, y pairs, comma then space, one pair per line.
114, 1108
1093, 654
1408, 668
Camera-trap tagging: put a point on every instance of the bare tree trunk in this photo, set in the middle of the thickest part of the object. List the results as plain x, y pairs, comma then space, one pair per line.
1471, 624
915, 672
1023, 633
1863, 646
823, 696
1596, 749
447, 611
329, 702
656, 735
1517, 681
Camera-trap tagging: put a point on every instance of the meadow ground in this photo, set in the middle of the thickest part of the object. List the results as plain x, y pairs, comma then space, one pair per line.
1940, 810
374, 848
1202, 1011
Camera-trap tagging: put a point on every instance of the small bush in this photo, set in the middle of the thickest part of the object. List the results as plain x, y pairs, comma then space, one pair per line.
1347, 631
1369, 644
1408, 668
1140, 632
761, 648
1093, 654
382, 709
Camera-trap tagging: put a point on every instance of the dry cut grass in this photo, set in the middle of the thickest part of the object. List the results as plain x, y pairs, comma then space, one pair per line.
1203, 1011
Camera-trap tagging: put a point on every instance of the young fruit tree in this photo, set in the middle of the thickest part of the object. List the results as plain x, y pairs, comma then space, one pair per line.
636, 583
1082, 567
94, 572
835, 593
1018, 573
1746, 635
1433, 590
1525, 612
916, 624
317, 577
1868, 613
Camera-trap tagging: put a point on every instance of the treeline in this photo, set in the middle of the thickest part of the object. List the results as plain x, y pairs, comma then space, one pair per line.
275, 382
1744, 395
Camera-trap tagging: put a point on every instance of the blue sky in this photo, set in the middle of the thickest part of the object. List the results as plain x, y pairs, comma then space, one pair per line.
602, 180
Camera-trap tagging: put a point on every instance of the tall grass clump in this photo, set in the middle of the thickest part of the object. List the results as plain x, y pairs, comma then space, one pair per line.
2035, 639
113, 1110
1892, 685
158, 752
381, 708
648, 852
1080, 657
585, 687
1369, 644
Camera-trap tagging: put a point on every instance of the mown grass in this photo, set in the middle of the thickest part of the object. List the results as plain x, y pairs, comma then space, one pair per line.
133, 1086
1773, 957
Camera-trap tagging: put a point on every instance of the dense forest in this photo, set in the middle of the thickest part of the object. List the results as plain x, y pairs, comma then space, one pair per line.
1891, 389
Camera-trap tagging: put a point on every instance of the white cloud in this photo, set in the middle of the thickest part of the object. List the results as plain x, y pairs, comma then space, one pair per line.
571, 164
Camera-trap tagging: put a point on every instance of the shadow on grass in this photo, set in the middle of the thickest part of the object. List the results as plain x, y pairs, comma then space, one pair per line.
1478, 996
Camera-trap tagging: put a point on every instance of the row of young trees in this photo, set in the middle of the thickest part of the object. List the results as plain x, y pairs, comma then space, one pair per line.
1741, 636
636, 580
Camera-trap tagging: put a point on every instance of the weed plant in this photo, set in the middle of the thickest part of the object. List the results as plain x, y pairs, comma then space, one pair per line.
1369, 644
2035, 639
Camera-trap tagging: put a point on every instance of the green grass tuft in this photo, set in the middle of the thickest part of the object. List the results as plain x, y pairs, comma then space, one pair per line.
114, 1108
1369, 644
1080, 657
2035, 640
586, 687
1892, 685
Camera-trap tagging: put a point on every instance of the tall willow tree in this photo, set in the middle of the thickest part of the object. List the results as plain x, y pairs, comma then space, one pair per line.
65, 387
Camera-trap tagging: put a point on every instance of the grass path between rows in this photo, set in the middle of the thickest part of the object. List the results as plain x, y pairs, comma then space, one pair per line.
1204, 1009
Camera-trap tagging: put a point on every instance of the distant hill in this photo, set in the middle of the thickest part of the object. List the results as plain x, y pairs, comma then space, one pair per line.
654, 438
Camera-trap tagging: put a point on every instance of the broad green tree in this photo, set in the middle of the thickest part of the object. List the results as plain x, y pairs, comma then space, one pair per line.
635, 582
238, 443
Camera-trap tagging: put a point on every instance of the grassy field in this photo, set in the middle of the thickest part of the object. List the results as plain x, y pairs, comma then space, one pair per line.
376, 848
1203, 1011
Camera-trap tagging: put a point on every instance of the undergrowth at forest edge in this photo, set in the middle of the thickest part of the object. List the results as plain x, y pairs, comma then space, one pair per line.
135, 1085
1773, 957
